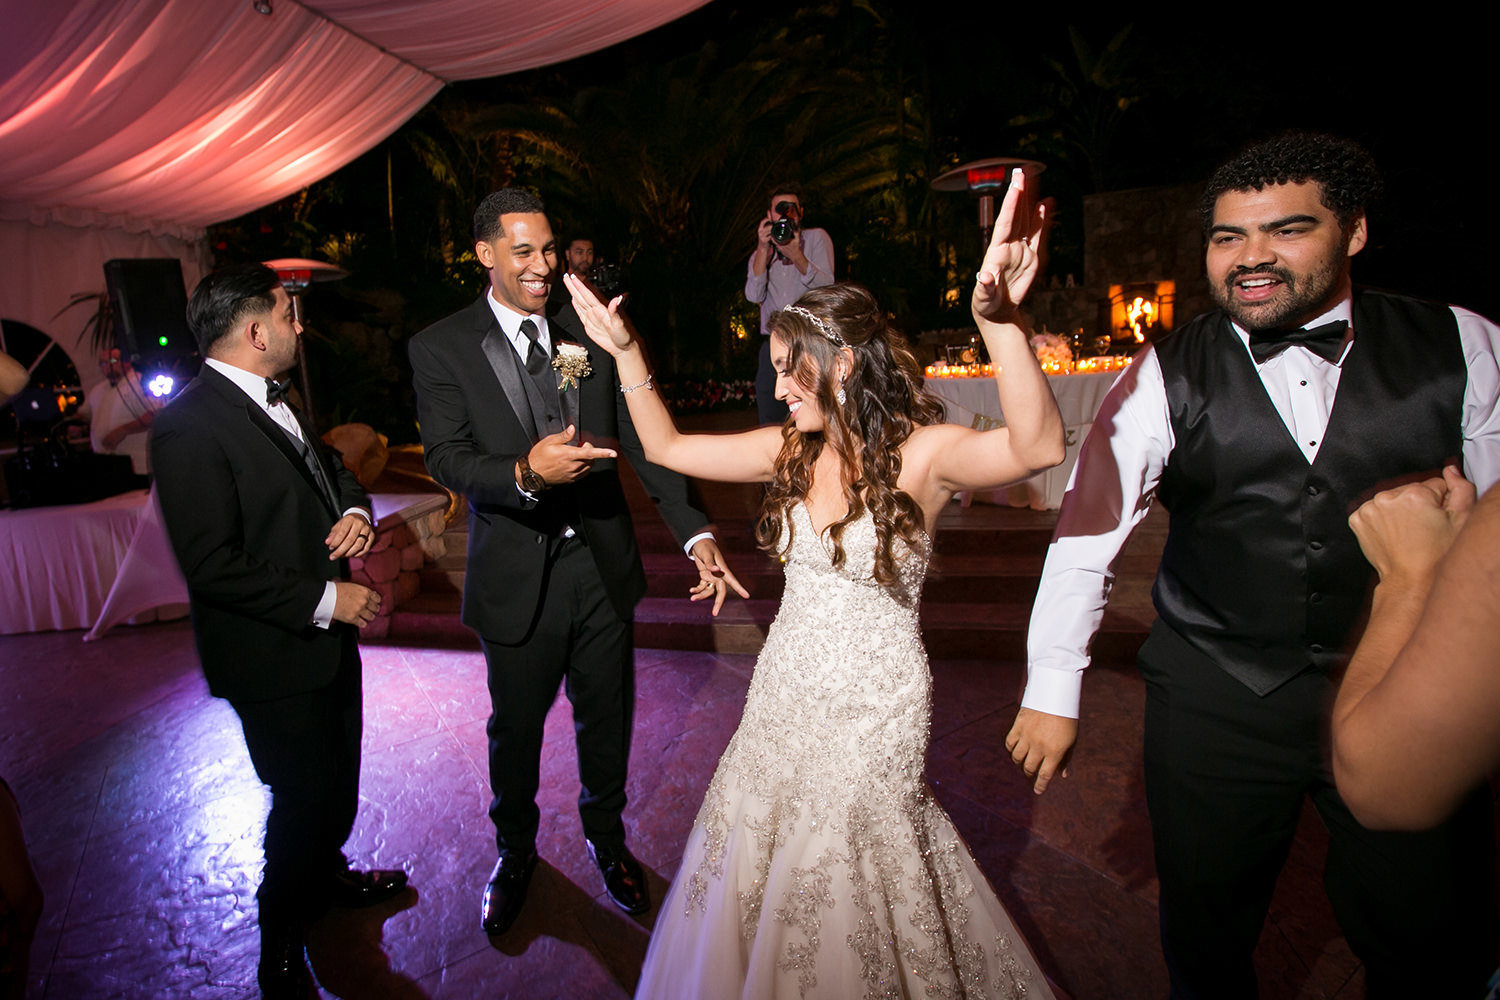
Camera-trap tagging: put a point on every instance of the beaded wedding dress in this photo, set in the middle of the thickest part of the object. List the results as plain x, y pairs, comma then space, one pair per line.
819, 865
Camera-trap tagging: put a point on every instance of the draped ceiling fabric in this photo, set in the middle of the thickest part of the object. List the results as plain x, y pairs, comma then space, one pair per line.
126, 126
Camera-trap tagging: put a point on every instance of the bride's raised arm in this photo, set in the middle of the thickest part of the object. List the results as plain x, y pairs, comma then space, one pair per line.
1032, 438
744, 457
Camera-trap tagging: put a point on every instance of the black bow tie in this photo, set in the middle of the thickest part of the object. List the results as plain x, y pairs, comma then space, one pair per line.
1326, 341
276, 391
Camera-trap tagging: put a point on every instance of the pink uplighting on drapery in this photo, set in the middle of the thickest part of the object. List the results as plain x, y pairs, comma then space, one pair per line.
168, 115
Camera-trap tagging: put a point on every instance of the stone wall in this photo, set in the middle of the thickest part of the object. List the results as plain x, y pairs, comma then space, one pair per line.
1145, 234
405, 540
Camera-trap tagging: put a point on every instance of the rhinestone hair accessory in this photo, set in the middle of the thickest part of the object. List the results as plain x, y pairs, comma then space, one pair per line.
823, 327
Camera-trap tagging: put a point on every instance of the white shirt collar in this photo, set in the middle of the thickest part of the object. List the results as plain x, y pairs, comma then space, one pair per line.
510, 324
251, 384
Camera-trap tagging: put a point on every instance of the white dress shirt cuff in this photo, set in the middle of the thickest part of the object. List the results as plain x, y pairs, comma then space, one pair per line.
323, 613
688, 548
1056, 691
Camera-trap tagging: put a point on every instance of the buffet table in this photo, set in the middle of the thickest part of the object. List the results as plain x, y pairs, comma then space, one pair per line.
975, 402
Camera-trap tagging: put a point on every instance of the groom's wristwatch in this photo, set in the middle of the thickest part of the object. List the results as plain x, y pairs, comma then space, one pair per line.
531, 481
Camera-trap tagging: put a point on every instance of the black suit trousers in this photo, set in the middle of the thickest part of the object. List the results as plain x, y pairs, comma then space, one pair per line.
1227, 773
577, 641
305, 748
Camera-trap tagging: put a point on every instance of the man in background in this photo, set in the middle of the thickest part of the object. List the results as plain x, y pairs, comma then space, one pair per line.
120, 413
578, 258
788, 260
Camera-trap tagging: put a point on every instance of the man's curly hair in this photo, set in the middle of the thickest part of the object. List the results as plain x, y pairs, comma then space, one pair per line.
1343, 169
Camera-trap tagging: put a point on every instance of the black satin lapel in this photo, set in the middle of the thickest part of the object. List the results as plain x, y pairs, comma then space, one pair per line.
507, 369
278, 437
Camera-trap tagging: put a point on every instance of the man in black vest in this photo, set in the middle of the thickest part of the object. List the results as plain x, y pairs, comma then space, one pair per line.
1231, 422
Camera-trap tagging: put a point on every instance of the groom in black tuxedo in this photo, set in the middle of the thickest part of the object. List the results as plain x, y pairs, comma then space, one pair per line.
553, 569
262, 518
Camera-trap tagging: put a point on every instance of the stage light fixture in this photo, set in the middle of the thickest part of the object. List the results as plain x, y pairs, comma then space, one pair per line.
161, 385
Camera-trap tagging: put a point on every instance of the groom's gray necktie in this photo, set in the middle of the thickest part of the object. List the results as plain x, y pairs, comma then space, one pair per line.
539, 371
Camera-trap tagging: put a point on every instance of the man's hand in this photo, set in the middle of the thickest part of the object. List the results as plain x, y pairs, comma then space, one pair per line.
557, 460
714, 577
793, 252
1405, 531
350, 538
763, 240
1041, 744
354, 604
115, 435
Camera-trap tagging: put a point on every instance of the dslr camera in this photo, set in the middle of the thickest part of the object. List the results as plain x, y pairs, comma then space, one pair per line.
608, 279
784, 228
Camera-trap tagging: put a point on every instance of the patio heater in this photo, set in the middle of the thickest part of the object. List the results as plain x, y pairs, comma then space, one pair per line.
986, 178
297, 274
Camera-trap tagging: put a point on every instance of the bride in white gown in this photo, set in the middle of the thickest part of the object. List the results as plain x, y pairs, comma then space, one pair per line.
819, 864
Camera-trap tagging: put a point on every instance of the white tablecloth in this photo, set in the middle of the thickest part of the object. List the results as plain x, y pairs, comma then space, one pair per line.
975, 402
95, 565
59, 563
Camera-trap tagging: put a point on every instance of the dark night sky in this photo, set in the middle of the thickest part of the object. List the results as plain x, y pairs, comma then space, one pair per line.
1416, 92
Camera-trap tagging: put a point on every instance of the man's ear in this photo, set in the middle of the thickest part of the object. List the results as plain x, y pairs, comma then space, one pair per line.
1359, 235
486, 254
254, 334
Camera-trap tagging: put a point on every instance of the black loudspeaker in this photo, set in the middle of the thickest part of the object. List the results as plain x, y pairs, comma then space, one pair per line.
149, 302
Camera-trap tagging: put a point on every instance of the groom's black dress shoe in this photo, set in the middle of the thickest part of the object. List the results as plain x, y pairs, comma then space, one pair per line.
282, 974
506, 891
623, 878
352, 888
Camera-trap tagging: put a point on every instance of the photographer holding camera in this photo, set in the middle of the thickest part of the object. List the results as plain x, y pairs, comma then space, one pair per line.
788, 260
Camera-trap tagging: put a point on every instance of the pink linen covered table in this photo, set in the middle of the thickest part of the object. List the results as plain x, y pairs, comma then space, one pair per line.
60, 563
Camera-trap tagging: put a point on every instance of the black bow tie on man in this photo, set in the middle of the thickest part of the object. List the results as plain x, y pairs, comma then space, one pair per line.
276, 391
1326, 341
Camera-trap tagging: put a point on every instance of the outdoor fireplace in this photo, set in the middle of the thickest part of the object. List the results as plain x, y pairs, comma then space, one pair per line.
1141, 311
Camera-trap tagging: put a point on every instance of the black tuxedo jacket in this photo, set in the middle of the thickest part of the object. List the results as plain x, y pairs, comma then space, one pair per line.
247, 522
475, 423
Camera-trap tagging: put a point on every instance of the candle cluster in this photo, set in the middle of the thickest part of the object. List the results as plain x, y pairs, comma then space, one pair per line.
943, 369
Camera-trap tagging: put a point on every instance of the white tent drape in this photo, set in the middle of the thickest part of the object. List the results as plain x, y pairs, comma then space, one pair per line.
158, 117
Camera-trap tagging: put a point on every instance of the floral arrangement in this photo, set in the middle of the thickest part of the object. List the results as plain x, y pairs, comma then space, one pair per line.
702, 395
572, 364
1053, 352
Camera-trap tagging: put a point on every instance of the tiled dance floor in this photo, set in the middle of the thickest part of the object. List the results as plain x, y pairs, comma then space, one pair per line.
144, 819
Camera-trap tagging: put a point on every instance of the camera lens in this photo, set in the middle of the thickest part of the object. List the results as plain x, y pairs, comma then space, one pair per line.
783, 231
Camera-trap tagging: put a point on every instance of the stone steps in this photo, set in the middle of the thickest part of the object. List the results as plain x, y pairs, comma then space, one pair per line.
976, 604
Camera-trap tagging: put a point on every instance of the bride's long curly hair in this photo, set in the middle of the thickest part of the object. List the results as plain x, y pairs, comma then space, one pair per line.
885, 400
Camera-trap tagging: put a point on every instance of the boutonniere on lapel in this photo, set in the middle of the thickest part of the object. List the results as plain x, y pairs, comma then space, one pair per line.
572, 364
